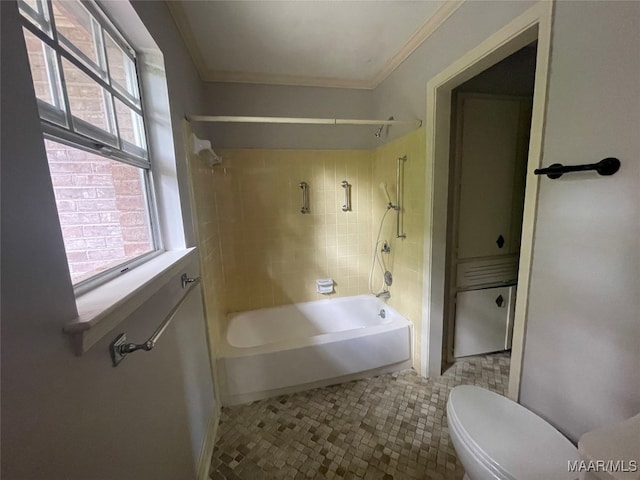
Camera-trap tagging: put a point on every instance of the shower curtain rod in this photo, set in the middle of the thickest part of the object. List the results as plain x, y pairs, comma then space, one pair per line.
299, 121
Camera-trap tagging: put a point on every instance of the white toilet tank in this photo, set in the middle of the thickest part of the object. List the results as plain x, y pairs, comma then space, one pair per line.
612, 452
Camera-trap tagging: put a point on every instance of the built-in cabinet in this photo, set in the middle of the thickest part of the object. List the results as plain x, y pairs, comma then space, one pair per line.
490, 153
484, 320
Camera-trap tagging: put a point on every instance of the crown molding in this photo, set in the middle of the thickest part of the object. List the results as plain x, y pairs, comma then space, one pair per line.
288, 80
182, 23
423, 33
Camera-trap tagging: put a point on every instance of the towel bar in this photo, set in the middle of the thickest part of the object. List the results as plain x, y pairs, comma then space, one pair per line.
119, 348
606, 166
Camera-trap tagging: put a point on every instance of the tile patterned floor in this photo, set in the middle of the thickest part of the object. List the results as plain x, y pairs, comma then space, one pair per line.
388, 427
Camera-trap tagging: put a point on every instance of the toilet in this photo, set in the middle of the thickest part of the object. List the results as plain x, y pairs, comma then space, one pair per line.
497, 439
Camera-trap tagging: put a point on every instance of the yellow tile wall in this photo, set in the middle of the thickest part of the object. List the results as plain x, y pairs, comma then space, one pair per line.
406, 258
258, 250
272, 253
206, 221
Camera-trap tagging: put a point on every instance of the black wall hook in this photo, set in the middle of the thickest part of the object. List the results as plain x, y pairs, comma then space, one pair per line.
607, 166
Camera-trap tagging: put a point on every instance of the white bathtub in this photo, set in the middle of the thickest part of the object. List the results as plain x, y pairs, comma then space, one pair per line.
280, 350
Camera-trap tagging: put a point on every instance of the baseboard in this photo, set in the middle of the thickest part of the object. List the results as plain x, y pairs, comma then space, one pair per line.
206, 451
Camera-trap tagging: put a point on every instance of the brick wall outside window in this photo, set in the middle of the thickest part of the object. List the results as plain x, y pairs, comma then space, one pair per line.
102, 209
101, 202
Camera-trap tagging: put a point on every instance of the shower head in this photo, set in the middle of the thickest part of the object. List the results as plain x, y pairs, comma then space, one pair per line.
379, 132
383, 187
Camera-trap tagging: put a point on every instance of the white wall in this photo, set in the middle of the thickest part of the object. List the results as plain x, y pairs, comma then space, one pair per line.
67, 417
403, 93
582, 349
186, 92
285, 101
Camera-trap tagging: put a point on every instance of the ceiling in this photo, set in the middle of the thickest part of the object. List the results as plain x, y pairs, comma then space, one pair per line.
328, 43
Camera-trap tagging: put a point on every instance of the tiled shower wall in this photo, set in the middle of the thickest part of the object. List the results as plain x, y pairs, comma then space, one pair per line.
406, 258
272, 253
258, 250
206, 222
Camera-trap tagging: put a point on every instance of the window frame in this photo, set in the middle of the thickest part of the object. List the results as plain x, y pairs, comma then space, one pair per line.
59, 125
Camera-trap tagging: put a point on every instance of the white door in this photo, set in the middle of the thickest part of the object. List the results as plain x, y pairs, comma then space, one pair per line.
492, 148
484, 321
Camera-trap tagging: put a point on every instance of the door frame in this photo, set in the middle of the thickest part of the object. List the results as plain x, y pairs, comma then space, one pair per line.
534, 24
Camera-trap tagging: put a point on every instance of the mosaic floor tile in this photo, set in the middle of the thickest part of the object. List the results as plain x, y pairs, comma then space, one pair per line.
392, 426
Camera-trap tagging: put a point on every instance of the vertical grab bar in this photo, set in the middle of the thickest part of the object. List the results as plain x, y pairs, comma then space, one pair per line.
399, 197
305, 197
347, 196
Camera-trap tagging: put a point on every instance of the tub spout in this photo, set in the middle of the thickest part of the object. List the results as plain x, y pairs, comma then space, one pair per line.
385, 294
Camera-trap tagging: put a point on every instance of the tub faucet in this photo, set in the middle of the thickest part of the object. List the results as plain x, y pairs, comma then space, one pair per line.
385, 294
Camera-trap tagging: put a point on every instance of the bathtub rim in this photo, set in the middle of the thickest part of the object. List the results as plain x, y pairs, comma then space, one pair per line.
230, 351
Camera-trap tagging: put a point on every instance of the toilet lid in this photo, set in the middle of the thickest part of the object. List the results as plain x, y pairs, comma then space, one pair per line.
512, 439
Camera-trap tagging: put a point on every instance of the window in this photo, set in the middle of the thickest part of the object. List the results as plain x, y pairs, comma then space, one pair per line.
87, 89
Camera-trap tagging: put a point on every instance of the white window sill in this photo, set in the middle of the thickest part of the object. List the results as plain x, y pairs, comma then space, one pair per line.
103, 308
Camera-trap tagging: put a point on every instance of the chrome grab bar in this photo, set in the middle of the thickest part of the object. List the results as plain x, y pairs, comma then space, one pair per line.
305, 197
347, 196
119, 348
399, 195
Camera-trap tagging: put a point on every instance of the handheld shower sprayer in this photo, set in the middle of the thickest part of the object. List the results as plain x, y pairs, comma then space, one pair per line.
383, 187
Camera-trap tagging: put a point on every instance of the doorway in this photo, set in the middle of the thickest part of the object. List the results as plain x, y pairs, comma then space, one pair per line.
533, 25
490, 127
